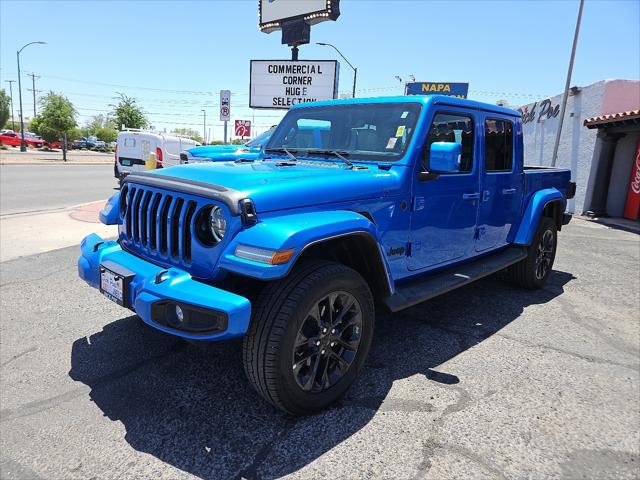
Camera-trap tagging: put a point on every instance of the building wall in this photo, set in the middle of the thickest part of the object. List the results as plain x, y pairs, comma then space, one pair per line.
577, 143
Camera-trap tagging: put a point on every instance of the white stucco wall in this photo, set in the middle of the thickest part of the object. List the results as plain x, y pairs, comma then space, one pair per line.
576, 143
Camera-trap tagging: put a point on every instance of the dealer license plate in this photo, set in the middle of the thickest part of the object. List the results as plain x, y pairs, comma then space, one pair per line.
112, 285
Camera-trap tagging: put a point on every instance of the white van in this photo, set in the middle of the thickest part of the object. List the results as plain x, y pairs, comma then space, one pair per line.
134, 146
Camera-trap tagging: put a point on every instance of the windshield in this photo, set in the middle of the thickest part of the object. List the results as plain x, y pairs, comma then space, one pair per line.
259, 140
370, 132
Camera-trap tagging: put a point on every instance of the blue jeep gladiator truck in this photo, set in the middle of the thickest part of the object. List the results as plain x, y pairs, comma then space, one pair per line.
398, 200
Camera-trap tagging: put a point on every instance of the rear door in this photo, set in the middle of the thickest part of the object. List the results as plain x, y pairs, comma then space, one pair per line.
500, 180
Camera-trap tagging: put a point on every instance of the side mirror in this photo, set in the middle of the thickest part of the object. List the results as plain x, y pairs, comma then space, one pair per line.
444, 157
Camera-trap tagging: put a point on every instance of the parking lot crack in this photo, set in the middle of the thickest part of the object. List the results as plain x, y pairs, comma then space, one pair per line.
251, 471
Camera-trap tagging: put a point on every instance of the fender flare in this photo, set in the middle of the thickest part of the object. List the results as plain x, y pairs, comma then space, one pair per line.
110, 213
533, 213
297, 231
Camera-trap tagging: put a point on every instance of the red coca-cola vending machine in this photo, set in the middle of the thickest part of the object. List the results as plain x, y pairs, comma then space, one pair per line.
632, 207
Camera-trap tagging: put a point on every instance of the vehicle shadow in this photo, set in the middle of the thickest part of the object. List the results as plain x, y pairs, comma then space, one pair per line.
192, 407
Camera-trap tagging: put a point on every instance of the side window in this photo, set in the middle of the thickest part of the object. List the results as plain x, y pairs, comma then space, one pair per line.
447, 127
498, 145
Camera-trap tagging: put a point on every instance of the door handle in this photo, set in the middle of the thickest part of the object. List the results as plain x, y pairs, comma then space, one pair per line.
508, 191
471, 196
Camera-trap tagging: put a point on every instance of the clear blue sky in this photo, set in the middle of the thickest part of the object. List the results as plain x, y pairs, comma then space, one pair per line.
175, 56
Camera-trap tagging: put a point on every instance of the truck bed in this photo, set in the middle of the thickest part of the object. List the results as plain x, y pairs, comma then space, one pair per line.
540, 177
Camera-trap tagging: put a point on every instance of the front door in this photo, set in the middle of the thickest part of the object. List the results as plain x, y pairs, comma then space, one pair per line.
501, 185
444, 209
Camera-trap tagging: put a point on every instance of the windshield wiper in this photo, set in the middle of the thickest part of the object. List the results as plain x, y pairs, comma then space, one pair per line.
338, 153
282, 149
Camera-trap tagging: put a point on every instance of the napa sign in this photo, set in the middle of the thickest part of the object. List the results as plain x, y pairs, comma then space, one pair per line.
459, 90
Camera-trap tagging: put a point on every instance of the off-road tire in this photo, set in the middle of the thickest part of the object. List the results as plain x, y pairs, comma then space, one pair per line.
278, 311
523, 273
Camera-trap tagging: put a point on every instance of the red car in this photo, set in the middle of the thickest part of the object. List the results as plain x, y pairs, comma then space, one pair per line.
12, 138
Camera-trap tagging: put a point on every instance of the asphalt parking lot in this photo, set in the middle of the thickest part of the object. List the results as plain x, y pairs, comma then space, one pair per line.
485, 382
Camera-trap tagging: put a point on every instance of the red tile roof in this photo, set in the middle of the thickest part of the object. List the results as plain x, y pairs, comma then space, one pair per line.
630, 116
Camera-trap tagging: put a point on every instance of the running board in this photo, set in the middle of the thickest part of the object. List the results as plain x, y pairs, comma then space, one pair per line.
424, 289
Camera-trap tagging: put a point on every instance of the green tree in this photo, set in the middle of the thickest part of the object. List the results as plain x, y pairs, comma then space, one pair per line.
128, 113
4, 108
57, 115
98, 122
108, 134
37, 126
189, 133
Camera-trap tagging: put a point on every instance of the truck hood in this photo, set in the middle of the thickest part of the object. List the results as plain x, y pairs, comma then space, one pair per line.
215, 151
278, 185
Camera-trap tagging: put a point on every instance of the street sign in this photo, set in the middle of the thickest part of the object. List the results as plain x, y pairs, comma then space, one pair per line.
273, 13
281, 84
243, 128
225, 105
459, 90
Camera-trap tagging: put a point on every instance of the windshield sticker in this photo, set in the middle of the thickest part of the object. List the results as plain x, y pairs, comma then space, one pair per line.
391, 144
404, 115
400, 131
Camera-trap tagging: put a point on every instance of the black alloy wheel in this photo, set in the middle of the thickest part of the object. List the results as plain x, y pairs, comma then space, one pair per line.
327, 342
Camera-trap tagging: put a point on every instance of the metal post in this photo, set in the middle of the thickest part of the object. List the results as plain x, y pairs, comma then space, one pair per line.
225, 132
355, 74
355, 70
554, 158
294, 53
23, 145
11, 82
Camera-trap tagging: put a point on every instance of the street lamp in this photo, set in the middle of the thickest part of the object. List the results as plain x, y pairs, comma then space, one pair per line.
204, 126
23, 144
355, 70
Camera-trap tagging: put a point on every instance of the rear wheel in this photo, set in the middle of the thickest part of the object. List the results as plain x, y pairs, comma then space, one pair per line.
533, 271
309, 337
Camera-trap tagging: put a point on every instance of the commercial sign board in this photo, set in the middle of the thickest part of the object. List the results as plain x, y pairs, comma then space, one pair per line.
460, 90
225, 105
243, 128
281, 84
273, 13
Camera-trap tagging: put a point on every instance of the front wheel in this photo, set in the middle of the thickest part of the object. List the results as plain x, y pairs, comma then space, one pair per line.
309, 336
533, 271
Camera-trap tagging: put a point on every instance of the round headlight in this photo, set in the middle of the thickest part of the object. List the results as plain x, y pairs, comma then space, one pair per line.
218, 223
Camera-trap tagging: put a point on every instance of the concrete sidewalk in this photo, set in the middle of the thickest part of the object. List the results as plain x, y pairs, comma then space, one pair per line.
13, 156
27, 234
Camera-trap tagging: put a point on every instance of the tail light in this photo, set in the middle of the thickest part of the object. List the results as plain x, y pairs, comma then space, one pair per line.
158, 157
116, 152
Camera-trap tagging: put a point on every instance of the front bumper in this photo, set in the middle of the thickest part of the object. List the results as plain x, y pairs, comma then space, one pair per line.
146, 295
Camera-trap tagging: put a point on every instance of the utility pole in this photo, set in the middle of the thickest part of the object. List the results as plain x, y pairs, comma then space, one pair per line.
33, 86
204, 127
11, 82
554, 158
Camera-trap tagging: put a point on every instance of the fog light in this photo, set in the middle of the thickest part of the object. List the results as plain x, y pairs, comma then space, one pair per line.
179, 313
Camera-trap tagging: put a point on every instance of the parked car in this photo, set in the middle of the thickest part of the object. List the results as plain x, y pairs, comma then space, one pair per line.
406, 198
9, 137
100, 145
221, 153
134, 146
80, 143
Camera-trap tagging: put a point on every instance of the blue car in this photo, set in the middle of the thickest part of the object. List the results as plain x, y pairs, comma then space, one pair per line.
226, 153
351, 206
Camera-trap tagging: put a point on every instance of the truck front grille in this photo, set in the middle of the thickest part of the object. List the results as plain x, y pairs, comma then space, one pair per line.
158, 223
